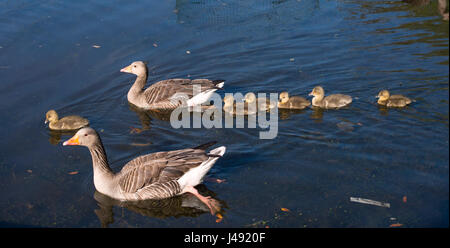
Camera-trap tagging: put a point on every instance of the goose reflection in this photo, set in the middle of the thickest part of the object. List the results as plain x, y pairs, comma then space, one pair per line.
55, 135
285, 114
186, 205
384, 111
442, 6
146, 117
317, 114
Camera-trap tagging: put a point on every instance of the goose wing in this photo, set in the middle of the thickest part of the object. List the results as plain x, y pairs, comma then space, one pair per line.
164, 90
337, 100
400, 98
160, 167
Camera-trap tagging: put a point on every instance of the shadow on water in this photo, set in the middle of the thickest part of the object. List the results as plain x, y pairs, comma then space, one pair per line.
185, 205
55, 135
285, 114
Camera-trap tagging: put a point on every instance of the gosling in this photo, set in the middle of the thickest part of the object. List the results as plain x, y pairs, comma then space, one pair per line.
388, 100
292, 102
72, 122
263, 104
239, 108
331, 101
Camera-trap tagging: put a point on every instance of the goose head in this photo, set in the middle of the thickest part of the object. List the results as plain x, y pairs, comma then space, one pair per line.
228, 100
317, 92
137, 68
84, 137
383, 95
284, 97
51, 116
250, 97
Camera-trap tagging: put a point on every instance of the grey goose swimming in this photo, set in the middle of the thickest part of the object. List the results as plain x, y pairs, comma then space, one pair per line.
153, 176
167, 94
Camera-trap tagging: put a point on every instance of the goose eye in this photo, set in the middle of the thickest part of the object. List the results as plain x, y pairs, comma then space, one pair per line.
85, 134
134, 66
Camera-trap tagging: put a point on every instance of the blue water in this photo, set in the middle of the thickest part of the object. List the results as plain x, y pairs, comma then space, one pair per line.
66, 55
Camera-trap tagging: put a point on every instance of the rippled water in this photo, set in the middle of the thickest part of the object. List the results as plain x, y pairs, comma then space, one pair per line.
316, 163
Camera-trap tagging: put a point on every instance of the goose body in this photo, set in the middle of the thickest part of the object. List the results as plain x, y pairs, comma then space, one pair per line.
153, 176
292, 102
330, 101
168, 94
72, 122
388, 100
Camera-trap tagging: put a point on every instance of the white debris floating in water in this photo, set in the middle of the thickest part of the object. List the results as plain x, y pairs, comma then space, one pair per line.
370, 202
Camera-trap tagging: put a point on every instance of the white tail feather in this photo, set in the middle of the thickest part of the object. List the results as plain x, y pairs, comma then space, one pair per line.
200, 97
220, 85
195, 175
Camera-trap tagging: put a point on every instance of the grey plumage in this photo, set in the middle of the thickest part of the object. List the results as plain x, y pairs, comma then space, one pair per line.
166, 94
330, 101
388, 100
151, 176
292, 102
336, 101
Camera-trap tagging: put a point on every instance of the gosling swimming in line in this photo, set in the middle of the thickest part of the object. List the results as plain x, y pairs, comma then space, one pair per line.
388, 100
237, 108
262, 103
330, 101
292, 102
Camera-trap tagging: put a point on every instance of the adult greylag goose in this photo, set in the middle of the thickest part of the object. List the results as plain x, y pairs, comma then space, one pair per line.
263, 104
168, 94
292, 102
388, 100
153, 176
330, 101
71, 122
237, 108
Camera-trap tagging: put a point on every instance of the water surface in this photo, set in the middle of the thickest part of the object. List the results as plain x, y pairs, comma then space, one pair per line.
318, 160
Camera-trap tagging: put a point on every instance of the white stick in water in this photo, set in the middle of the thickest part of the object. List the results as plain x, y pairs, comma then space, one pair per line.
370, 202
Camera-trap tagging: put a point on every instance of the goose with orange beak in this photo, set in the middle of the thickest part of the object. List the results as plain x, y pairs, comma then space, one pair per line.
153, 176
168, 94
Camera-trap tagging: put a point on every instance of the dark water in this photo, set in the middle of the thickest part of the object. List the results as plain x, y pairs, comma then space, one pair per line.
315, 164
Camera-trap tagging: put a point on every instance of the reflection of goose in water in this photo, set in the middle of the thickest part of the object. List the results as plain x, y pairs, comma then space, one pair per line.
317, 114
184, 205
285, 114
55, 135
442, 6
218, 14
146, 117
